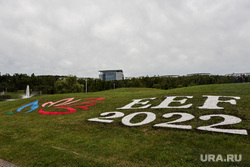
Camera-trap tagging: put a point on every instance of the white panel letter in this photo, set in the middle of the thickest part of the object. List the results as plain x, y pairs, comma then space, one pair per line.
137, 101
170, 99
212, 101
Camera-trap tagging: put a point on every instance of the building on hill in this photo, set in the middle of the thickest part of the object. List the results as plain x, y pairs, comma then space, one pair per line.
239, 74
111, 75
198, 74
170, 76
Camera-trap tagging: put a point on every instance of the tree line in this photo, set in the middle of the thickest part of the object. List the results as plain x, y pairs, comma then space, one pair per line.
49, 84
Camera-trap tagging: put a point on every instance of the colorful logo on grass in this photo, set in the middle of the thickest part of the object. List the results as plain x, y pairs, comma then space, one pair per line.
68, 104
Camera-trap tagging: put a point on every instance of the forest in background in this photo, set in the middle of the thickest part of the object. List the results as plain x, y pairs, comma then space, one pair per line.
48, 84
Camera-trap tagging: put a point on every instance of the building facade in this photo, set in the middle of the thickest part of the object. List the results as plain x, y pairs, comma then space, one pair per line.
239, 74
198, 74
111, 75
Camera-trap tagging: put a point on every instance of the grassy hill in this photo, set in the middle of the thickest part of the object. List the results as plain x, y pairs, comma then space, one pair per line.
34, 139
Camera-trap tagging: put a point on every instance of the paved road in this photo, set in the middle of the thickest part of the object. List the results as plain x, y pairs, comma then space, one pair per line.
4, 163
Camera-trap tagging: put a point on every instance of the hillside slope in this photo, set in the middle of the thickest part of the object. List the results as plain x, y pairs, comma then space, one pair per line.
109, 128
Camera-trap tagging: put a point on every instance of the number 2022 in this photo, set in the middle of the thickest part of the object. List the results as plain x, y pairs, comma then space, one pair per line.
150, 117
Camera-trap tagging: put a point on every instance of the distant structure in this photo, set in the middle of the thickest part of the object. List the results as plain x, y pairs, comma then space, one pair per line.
111, 75
170, 76
198, 74
238, 74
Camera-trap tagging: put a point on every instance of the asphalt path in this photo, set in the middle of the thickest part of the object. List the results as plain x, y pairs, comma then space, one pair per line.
4, 163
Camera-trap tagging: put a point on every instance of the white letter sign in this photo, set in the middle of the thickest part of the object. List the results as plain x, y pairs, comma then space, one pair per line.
212, 101
137, 101
170, 99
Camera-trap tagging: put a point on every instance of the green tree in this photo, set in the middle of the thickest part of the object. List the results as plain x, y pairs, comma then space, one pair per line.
68, 85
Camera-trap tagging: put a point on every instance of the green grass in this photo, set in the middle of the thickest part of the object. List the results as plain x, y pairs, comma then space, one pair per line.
34, 139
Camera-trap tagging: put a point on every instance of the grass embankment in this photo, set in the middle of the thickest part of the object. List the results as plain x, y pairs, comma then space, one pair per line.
34, 139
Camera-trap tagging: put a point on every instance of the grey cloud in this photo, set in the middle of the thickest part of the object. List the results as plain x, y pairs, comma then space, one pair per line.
154, 37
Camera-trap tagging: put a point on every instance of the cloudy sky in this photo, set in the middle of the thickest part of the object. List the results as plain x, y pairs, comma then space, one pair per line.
141, 37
